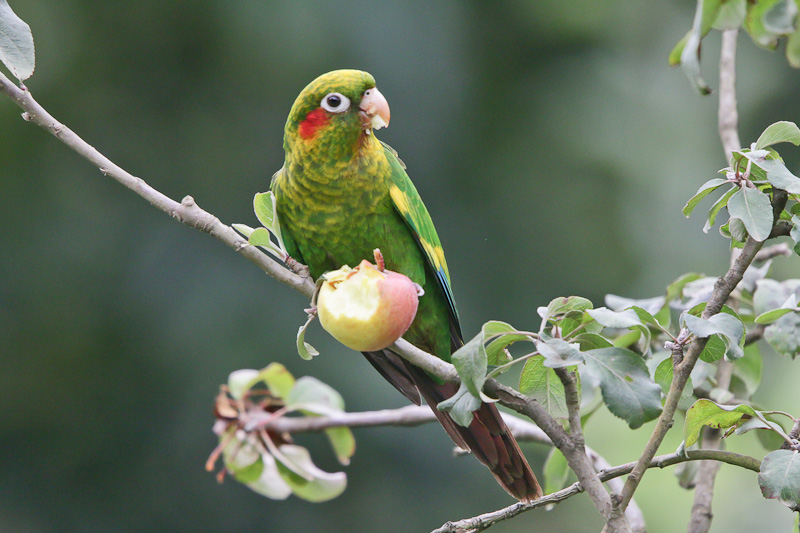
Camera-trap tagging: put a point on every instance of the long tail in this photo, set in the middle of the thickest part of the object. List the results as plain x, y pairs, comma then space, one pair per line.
487, 437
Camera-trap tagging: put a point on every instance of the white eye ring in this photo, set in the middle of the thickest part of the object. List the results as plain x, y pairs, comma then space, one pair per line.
335, 103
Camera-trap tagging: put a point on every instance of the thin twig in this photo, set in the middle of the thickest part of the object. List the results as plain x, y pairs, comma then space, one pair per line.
485, 521
728, 115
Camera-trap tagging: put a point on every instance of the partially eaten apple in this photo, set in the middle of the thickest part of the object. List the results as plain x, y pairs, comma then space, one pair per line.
367, 308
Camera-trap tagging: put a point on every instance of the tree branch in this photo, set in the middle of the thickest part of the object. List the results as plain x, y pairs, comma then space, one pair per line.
187, 211
517, 401
485, 521
728, 115
722, 290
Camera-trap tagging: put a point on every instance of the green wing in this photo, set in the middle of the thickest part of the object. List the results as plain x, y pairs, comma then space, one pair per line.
409, 204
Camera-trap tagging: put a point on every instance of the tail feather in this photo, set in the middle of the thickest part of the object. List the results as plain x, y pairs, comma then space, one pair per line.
487, 437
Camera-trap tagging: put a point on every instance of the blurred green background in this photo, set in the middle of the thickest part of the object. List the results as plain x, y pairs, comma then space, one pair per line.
553, 146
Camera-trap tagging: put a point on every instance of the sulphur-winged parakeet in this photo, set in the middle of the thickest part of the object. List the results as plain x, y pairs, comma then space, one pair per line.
342, 193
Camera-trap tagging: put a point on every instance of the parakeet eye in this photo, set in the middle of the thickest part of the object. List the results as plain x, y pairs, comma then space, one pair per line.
335, 103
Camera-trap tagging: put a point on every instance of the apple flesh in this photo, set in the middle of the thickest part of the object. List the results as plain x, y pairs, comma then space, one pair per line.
366, 309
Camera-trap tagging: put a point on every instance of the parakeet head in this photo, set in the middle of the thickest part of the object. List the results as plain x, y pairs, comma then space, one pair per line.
337, 108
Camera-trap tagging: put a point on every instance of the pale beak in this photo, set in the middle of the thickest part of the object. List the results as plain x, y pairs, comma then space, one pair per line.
374, 110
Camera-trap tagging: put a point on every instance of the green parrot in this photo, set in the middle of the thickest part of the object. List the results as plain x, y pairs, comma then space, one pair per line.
340, 194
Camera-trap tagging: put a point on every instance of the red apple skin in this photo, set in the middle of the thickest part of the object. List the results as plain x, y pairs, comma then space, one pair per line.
364, 326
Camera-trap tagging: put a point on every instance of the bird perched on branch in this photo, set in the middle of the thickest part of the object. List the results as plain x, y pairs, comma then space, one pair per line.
342, 193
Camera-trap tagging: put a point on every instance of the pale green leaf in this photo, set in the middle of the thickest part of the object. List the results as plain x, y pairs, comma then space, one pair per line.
731, 15
614, 319
16, 43
244, 229
556, 471
543, 385
779, 176
316, 485
707, 413
278, 379
342, 442
625, 383
304, 349
461, 405
690, 56
260, 237
309, 393
779, 478
718, 205
779, 132
753, 208
270, 483
704, 190
559, 353
793, 49
241, 381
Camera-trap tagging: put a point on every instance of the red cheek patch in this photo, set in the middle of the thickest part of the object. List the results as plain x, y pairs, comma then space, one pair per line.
313, 121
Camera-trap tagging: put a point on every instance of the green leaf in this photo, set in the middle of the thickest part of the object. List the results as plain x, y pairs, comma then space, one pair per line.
562, 306
496, 349
263, 206
690, 56
304, 349
322, 486
747, 372
242, 459
543, 385
310, 394
704, 190
779, 132
270, 483
650, 305
663, 376
625, 383
707, 413
260, 237
461, 405
248, 474
241, 381
342, 442
794, 233
780, 19
16, 43
729, 327
793, 49
278, 380
779, 176
559, 353
771, 316
590, 341
754, 23
714, 349
710, 10
731, 15
265, 209
244, 229
614, 319
675, 289
753, 208
471, 362
784, 335
779, 478
556, 471
717, 207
